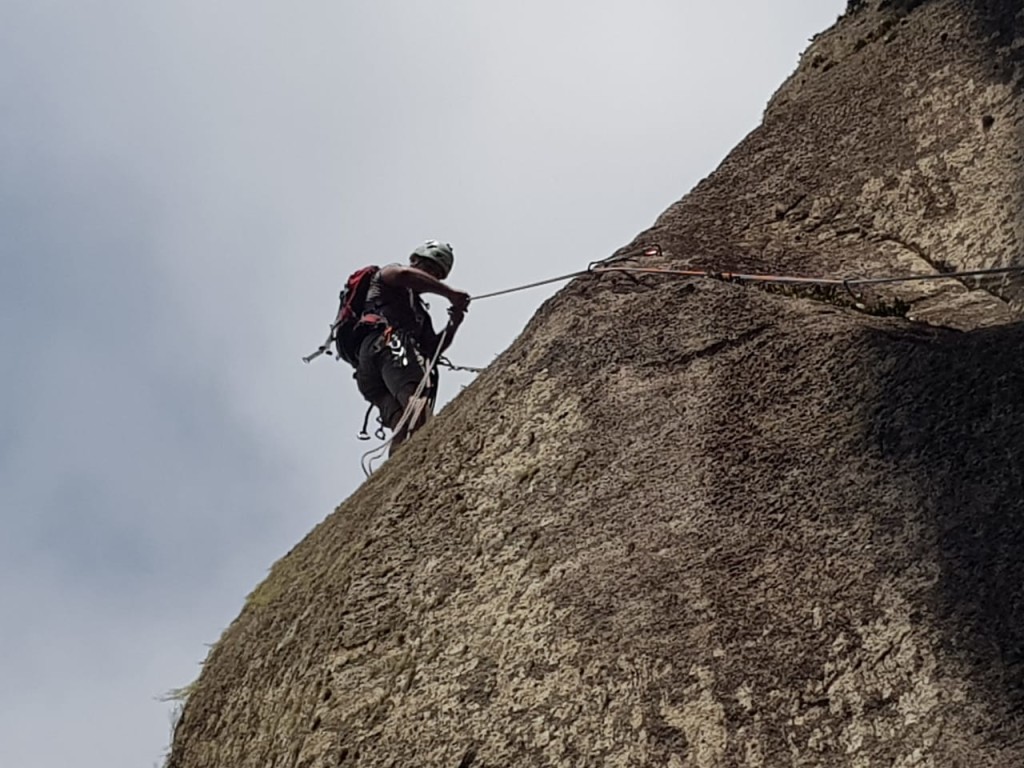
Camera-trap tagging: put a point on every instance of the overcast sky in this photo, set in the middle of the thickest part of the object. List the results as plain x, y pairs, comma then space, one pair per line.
183, 187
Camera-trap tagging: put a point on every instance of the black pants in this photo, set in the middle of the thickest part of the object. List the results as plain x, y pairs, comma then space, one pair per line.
391, 367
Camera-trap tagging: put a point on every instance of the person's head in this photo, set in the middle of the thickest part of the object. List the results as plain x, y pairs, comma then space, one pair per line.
434, 257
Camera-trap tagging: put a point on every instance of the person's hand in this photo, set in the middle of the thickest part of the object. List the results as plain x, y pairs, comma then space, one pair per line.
459, 300
455, 316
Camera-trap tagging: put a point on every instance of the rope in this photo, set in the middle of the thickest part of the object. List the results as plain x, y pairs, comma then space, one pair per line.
940, 276
606, 265
414, 407
796, 279
570, 276
722, 275
598, 267
646, 250
651, 250
370, 457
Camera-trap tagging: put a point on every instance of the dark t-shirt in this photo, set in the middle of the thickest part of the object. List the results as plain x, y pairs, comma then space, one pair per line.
403, 309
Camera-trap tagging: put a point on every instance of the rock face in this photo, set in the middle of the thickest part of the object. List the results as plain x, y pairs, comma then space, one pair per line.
695, 523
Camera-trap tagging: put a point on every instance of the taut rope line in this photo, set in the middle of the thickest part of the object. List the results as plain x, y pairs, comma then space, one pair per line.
610, 265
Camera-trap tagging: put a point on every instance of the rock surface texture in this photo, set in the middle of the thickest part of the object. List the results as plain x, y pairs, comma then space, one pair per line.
704, 524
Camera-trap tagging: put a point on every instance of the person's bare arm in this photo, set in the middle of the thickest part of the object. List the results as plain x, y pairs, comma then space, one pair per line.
455, 318
418, 281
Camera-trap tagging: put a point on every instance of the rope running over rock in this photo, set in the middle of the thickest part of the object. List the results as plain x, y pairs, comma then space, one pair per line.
609, 265
795, 279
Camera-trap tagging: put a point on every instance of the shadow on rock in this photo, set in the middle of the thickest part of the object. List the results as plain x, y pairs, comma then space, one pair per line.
950, 419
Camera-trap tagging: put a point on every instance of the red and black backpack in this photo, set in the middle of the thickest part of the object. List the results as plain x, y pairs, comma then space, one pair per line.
351, 311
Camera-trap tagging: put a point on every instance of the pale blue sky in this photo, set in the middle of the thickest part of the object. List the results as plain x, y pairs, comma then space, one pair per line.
183, 186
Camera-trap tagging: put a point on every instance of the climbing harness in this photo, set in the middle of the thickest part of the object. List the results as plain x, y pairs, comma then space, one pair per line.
411, 415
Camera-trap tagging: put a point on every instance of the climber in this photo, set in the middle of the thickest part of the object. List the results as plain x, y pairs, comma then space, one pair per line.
393, 339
